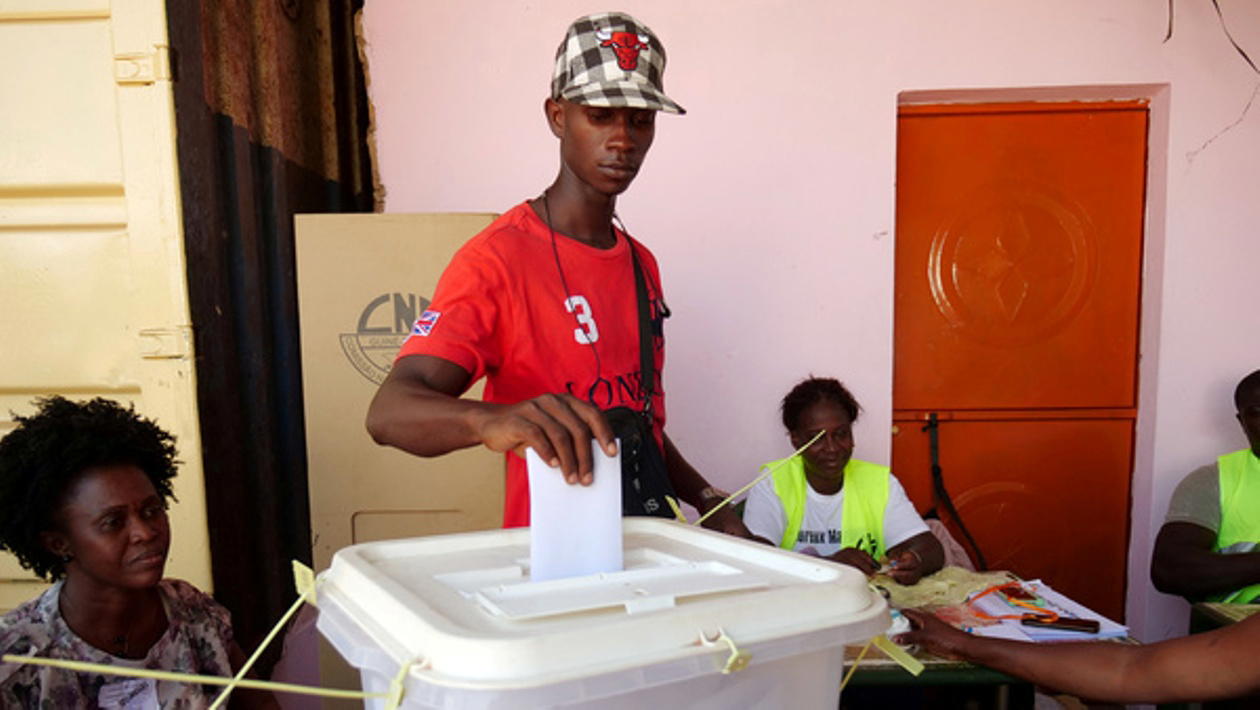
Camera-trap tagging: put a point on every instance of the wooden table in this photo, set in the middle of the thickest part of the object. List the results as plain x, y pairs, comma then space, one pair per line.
880, 682
1205, 616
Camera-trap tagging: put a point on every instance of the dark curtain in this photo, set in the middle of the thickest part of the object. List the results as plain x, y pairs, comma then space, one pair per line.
271, 114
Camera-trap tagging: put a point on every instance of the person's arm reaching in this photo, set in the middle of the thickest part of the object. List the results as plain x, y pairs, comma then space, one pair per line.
691, 486
1209, 666
418, 409
1185, 564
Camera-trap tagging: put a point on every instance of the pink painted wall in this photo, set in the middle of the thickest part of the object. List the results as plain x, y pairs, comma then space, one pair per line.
770, 205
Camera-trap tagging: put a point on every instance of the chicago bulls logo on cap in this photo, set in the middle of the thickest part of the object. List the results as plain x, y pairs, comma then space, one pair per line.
627, 46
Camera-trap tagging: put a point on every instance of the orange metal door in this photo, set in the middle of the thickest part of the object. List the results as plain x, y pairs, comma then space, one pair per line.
1018, 274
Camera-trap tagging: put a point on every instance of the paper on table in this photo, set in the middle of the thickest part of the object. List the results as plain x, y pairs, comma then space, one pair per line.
1004, 630
574, 530
1056, 602
1065, 606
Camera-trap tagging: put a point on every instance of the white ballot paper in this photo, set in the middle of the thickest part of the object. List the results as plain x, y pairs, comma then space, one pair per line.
575, 530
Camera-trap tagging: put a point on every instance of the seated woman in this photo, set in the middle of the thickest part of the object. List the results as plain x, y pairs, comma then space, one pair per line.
83, 495
828, 504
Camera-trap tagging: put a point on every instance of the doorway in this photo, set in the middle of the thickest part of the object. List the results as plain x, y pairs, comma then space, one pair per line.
1018, 283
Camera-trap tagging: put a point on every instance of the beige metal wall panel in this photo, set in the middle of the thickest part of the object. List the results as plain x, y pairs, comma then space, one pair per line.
91, 241
362, 280
70, 284
68, 206
45, 10
61, 104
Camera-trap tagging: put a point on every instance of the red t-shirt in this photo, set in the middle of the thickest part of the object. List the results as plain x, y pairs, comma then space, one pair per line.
501, 310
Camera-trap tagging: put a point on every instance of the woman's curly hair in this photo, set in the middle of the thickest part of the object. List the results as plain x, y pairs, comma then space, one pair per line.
41, 459
813, 390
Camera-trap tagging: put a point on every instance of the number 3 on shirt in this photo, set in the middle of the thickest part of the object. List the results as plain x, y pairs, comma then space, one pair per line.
578, 306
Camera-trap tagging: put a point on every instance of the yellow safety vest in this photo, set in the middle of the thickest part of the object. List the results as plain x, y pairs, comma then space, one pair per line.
1240, 510
862, 512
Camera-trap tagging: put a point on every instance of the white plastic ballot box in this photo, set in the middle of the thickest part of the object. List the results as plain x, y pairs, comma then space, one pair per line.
696, 620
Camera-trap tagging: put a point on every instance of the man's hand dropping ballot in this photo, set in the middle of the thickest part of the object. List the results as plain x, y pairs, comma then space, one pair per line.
574, 530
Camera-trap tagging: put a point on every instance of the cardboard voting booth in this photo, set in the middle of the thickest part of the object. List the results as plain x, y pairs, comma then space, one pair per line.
362, 280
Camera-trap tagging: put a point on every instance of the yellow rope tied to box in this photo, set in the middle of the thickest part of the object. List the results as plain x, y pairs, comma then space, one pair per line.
856, 661
912, 665
304, 580
903, 658
737, 660
103, 669
682, 518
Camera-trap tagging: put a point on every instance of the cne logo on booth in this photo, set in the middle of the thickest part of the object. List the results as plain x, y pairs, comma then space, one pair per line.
384, 323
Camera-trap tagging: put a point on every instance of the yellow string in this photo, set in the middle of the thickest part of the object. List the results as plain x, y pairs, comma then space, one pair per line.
903, 658
395, 695
304, 580
673, 505
856, 661
240, 675
104, 669
758, 479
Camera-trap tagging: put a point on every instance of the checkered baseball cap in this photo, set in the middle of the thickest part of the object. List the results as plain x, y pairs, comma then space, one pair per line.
611, 59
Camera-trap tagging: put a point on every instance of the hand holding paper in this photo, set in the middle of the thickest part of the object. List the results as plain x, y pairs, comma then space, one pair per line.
574, 530
557, 426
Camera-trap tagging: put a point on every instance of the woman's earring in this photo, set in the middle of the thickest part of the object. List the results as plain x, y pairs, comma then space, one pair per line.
67, 559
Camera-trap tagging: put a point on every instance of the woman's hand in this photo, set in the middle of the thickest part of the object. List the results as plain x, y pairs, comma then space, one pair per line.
906, 568
855, 557
915, 558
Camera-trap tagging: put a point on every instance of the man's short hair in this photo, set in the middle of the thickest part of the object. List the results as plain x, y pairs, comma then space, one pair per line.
1248, 388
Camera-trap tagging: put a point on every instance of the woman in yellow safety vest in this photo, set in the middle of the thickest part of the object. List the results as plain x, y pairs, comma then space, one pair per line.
826, 503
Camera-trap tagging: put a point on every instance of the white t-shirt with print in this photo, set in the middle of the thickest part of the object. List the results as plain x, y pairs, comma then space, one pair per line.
820, 526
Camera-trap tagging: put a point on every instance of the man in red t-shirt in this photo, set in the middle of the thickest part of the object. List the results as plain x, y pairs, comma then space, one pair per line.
543, 301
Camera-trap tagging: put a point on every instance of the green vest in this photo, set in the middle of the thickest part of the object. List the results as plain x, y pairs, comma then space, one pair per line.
862, 512
1240, 510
